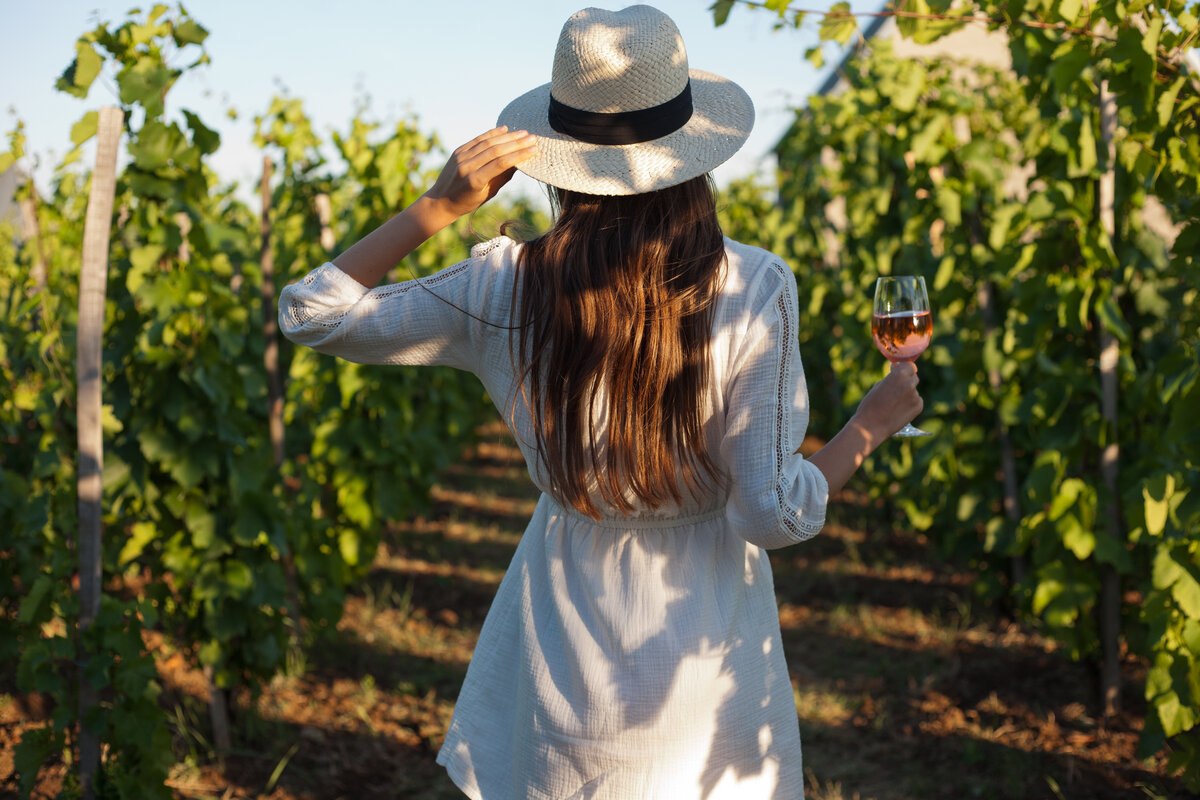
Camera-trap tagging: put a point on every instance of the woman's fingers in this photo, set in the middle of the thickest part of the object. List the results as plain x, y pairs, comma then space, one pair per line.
496, 154
892, 401
476, 170
488, 139
481, 169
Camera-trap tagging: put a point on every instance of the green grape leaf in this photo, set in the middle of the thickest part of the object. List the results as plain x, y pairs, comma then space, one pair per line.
1156, 491
140, 535
145, 82
85, 128
1110, 315
1068, 62
202, 524
926, 147
1068, 10
238, 577
204, 138
1081, 155
77, 78
1191, 637
1174, 715
349, 547
35, 606
720, 11
36, 747
838, 24
188, 32
1166, 101
1186, 591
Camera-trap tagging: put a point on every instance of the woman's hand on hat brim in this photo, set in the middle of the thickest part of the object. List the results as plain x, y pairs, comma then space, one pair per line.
477, 170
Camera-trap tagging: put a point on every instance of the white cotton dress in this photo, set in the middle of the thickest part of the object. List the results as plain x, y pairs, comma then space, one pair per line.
637, 657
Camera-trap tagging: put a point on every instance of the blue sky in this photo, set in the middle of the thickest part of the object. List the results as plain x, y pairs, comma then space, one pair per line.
453, 64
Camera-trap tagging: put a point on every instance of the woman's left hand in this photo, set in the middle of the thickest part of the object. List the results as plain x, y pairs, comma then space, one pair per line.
477, 170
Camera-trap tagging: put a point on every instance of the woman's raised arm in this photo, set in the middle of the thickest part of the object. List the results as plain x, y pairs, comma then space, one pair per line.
472, 176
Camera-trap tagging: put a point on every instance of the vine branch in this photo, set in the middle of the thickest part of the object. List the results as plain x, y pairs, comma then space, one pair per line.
1168, 60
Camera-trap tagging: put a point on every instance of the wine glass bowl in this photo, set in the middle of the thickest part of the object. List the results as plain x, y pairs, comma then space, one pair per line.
902, 324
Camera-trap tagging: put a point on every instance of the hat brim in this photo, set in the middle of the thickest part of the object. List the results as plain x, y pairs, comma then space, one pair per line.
722, 117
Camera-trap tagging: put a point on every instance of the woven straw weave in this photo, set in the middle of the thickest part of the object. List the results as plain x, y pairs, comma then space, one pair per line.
629, 60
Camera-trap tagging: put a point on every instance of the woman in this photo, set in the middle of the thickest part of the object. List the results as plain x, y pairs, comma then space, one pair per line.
648, 368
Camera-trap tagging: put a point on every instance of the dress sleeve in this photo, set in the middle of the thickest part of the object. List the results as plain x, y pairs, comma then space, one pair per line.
423, 321
777, 497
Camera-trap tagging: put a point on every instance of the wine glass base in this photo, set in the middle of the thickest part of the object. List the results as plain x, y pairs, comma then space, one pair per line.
909, 431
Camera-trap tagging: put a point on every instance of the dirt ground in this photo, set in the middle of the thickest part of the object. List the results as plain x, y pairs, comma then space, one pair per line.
904, 692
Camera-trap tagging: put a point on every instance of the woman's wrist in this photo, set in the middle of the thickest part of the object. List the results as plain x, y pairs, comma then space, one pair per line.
868, 432
844, 453
385, 247
431, 213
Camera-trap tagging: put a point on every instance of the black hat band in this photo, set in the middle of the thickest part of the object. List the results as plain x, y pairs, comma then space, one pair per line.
622, 127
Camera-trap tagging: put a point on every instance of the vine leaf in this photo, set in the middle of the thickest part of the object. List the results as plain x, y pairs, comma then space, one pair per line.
1110, 315
1156, 492
839, 24
191, 32
145, 82
77, 78
1166, 101
85, 128
720, 11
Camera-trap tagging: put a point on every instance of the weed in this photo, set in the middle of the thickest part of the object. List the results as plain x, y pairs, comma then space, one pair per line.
280, 767
832, 790
184, 722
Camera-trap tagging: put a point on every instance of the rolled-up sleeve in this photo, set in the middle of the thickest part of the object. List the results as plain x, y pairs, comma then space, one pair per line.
777, 497
430, 320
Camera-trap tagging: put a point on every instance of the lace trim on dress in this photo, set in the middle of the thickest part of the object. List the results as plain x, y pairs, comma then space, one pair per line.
799, 529
331, 321
300, 311
484, 248
447, 273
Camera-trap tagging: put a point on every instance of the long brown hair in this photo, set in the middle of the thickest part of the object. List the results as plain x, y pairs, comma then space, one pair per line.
617, 299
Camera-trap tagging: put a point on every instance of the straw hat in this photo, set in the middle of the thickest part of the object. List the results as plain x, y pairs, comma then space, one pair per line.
623, 113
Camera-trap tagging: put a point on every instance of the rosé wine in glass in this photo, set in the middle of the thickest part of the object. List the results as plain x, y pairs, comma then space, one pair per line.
903, 335
902, 324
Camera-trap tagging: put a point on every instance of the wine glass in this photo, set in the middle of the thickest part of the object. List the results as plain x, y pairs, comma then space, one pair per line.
902, 324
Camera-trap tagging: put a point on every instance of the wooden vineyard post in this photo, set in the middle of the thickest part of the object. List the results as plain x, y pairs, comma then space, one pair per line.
274, 379
218, 713
1110, 587
325, 216
93, 277
184, 223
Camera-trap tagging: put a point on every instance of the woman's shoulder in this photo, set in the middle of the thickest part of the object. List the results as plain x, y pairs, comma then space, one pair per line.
755, 275
747, 251
500, 248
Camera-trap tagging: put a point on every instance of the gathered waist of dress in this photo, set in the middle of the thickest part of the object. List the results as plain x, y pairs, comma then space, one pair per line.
634, 523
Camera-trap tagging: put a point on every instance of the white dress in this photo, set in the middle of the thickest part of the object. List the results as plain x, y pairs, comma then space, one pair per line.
636, 657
